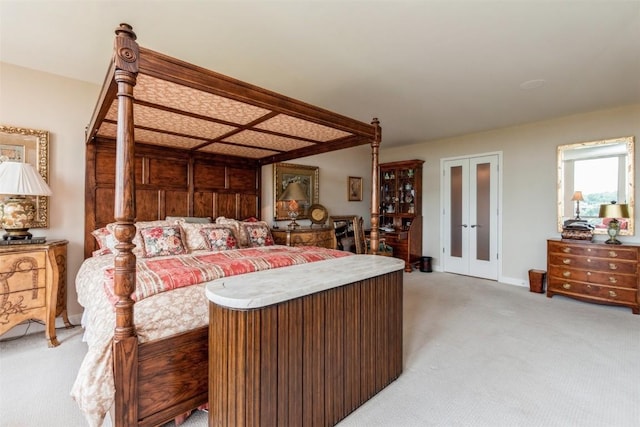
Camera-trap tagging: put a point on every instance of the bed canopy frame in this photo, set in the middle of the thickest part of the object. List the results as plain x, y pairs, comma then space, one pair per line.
155, 112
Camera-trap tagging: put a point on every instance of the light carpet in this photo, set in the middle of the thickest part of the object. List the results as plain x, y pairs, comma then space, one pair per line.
476, 353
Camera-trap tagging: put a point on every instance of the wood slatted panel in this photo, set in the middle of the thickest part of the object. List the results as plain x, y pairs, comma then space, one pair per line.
204, 204
175, 203
314, 335
167, 173
209, 177
242, 179
226, 205
334, 356
267, 406
310, 361
353, 330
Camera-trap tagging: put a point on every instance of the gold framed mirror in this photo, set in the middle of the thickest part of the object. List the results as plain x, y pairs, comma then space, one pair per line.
306, 176
603, 171
31, 146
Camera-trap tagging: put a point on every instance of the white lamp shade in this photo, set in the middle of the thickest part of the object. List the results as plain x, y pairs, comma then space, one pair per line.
22, 179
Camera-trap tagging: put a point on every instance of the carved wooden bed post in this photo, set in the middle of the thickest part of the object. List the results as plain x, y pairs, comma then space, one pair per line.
375, 188
125, 342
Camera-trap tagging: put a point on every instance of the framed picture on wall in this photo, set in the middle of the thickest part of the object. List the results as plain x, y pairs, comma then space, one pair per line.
306, 176
354, 188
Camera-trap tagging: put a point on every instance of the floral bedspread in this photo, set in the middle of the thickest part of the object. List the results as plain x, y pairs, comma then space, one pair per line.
165, 314
161, 274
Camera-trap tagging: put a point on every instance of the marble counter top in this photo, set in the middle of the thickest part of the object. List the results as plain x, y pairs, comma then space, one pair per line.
263, 288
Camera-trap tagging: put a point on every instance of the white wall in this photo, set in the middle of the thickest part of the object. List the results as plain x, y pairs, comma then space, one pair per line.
529, 180
36, 100
334, 170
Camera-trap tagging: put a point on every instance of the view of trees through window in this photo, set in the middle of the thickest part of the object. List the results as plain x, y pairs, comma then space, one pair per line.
600, 188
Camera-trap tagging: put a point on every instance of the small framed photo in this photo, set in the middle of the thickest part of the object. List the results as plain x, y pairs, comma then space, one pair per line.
354, 188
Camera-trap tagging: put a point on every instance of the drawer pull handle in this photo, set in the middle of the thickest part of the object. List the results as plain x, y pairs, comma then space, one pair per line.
613, 254
612, 294
566, 274
613, 266
566, 286
566, 261
613, 279
588, 273
588, 259
566, 250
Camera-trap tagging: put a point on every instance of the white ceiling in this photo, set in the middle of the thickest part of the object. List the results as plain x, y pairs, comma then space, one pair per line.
427, 69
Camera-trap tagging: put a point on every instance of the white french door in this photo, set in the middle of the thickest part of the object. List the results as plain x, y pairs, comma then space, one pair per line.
471, 215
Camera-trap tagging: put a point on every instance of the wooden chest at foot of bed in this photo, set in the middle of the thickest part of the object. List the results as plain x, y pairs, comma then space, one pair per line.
310, 359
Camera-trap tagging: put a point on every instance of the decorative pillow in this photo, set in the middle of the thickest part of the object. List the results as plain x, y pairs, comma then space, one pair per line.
193, 240
219, 237
137, 239
162, 240
190, 219
258, 233
102, 236
238, 231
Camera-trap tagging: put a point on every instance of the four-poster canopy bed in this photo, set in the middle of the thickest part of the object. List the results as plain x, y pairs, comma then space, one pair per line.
170, 139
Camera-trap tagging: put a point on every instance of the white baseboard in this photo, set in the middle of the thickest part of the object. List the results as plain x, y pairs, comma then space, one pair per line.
516, 281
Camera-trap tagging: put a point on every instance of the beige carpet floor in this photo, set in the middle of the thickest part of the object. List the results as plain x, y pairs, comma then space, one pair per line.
476, 353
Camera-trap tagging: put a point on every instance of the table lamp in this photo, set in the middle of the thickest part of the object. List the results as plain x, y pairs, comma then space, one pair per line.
293, 193
577, 197
613, 211
17, 212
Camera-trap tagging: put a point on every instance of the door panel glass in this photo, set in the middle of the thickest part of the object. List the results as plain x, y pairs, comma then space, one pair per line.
483, 207
456, 211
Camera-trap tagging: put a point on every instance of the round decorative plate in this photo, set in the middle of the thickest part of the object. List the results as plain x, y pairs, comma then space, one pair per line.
318, 214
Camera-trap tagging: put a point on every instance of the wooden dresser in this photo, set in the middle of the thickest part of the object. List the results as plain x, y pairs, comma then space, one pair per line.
324, 237
33, 285
594, 272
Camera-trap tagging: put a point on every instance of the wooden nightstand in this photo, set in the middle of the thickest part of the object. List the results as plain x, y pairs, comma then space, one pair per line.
324, 237
33, 285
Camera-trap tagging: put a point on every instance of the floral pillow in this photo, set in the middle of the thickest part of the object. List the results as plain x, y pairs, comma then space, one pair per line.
239, 231
258, 234
104, 238
137, 239
162, 240
192, 237
219, 238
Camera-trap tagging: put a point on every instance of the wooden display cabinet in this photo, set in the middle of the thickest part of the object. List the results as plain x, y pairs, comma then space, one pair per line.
401, 209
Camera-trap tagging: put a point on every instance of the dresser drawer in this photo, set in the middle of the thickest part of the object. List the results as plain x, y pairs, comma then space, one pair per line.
614, 279
22, 272
594, 251
593, 263
22, 261
592, 290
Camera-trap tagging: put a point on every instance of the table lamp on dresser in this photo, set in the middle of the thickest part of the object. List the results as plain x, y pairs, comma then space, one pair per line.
613, 211
17, 212
293, 193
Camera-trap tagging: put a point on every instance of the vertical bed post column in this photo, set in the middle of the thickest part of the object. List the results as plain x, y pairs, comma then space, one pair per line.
374, 241
125, 342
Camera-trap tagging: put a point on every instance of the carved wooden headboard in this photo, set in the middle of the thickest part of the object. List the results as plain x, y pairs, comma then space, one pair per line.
170, 182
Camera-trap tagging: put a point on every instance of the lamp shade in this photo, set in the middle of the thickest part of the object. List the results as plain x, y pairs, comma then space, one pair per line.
22, 179
294, 191
577, 196
614, 210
